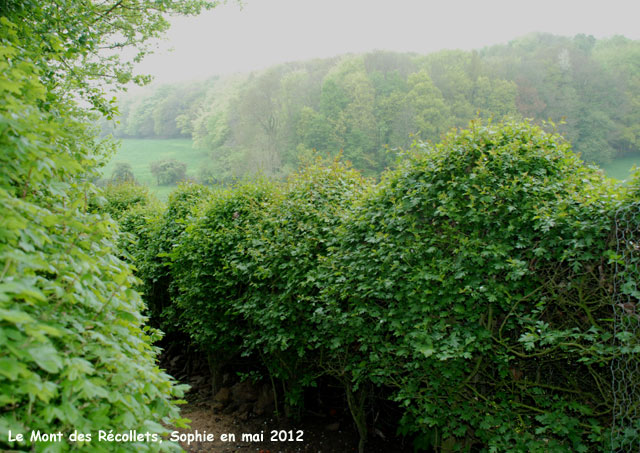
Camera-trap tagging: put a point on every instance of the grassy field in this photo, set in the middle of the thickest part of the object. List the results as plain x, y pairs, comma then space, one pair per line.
141, 152
621, 167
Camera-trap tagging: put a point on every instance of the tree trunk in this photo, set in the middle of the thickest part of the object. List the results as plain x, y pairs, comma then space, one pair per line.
356, 401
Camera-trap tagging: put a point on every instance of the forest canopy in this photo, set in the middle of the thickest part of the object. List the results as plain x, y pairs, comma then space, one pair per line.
361, 105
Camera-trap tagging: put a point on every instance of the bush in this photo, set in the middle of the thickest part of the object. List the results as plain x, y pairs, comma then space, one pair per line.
285, 246
74, 351
152, 254
169, 171
117, 199
207, 265
244, 271
472, 282
472, 287
123, 173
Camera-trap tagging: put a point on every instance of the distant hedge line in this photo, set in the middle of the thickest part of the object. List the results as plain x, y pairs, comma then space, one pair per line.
473, 284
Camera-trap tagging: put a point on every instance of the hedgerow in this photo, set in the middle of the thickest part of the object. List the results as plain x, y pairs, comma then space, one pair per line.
75, 354
119, 199
474, 281
285, 247
472, 287
207, 263
158, 232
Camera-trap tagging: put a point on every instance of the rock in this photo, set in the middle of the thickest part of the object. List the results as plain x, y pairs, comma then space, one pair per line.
217, 406
332, 427
265, 401
244, 392
244, 411
223, 396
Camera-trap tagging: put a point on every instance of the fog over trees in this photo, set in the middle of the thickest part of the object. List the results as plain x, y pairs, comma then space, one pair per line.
363, 104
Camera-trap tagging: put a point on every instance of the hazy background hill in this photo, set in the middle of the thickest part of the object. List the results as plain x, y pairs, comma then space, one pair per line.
368, 104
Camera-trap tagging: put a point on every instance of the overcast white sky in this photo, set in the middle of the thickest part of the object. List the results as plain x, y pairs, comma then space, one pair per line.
266, 32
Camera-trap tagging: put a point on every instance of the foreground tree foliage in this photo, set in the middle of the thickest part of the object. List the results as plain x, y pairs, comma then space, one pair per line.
472, 288
75, 353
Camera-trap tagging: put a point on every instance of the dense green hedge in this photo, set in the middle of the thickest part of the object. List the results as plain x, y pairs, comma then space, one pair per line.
469, 282
75, 354
473, 285
207, 271
285, 250
158, 231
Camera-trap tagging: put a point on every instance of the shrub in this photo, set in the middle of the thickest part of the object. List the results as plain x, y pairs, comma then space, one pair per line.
473, 285
74, 351
471, 281
285, 246
169, 171
123, 173
208, 262
117, 199
158, 232
625, 256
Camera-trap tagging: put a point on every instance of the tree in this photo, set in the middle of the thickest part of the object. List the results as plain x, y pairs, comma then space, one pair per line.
494, 97
619, 57
430, 112
361, 104
450, 73
75, 352
347, 101
122, 173
314, 131
259, 113
169, 171
140, 121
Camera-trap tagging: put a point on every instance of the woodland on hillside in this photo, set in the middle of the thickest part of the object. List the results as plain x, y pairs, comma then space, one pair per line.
364, 105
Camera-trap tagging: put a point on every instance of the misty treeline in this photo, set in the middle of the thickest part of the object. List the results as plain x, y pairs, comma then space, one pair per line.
365, 105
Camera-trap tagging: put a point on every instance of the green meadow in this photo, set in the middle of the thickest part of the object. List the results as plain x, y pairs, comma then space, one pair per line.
621, 167
141, 152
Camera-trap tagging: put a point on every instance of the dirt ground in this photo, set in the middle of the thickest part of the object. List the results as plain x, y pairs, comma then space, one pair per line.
330, 433
323, 428
306, 437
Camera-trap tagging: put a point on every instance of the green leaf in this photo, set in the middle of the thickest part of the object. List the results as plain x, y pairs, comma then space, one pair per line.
46, 357
12, 368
